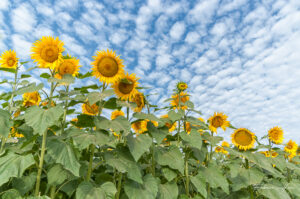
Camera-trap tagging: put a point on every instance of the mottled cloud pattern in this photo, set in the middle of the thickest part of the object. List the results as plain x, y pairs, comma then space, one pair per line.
238, 57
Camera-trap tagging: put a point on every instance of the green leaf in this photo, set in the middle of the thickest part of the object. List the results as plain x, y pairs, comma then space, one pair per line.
200, 184
174, 116
24, 62
94, 97
138, 145
169, 174
293, 187
247, 177
118, 124
3, 81
64, 154
109, 189
5, 123
25, 183
112, 104
273, 191
148, 189
157, 133
87, 191
29, 88
40, 119
10, 70
81, 76
66, 79
36, 197
57, 175
11, 194
13, 165
171, 157
193, 139
25, 76
168, 191
45, 75
143, 116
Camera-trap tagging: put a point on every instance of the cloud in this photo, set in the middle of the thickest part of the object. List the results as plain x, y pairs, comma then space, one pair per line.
23, 18
177, 30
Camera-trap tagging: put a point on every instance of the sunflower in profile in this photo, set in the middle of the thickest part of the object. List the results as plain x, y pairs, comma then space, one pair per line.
107, 66
69, 65
126, 87
181, 86
14, 133
225, 144
291, 147
243, 139
90, 109
171, 126
47, 52
276, 135
139, 99
218, 120
183, 98
116, 113
188, 127
140, 126
9, 59
32, 98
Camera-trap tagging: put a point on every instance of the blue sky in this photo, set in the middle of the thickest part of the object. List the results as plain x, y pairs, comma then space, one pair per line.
238, 57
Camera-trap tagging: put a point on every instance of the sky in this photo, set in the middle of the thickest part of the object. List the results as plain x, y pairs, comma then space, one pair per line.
238, 57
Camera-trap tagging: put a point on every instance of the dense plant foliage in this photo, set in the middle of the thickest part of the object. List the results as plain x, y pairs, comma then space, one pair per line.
133, 154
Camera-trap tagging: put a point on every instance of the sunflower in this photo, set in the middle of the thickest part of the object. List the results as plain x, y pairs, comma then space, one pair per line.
139, 126
138, 98
116, 114
155, 123
291, 147
45, 103
291, 155
170, 126
243, 138
274, 154
69, 65
218, 149
266, 153
218, 120
125, 88
47, 52
188, 127
107, 66
276, 135
183, 98
30, 99
14, 133
298, 151
9, 59
225, 144
17, 113
90, 109
182, 86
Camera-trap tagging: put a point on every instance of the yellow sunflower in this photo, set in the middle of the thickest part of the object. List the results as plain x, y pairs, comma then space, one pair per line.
116, 114
183, 98
107, 66
139, 126
243, 139
274, 154
69, 65
298, 151
138, 98
170, 126
225, 144
14, 133
291, 147
30, 99
218, 149
218, 120
45, 103
188, 127
47, 52
182, 86
9, 59
266, 153
90, 109
125, 88
155, 123
291, 155
276, 135
17, 113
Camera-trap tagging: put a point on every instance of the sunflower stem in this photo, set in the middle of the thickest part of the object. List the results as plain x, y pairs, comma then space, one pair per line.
119, 185
52, 192
65, 111
186, 170
89, 173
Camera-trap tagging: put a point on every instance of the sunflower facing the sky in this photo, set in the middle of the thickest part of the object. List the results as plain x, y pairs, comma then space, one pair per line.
30, 99
138, 98
107, 66
182, 86
183, 98
243, 139
69, 65
125, 88
47, 52
90, 109
9, 59
276, 135
170, 126
291, 147
140, 126
116, 114
218, 120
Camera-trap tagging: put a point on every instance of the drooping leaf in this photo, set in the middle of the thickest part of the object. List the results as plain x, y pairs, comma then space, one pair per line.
273, 191
168, 191
174, 116
87, 191
66, 79
193, 139
118, 124
5, 123
138, 145
29, 88
157, 133
25, 183
94, 97
143, 116
200, 184
57, 175
171, 157
169, 174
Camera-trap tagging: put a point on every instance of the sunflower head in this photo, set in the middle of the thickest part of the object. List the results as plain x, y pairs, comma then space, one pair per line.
181, 86
266, 153
183, 98
291, 147
155, 123
139, 126
14, 133
30, 99
116, 113
275, 135
225, 144
126, 87
188, 127
139, 99
218, 149
47, 52
171, 126
274, 154
218, 120
243, 139
90, 109
107, 66
9, 59
69, 65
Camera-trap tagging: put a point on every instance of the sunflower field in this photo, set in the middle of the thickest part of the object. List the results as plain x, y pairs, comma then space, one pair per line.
56, 142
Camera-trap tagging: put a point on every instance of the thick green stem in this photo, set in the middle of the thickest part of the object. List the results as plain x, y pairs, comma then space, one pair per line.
153, 159
119, 185
52, 192
90, 168
65, 111
187, 179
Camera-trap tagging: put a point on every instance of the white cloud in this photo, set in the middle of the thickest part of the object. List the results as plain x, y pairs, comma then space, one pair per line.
4, 4
23, 18
177, 30
21, 46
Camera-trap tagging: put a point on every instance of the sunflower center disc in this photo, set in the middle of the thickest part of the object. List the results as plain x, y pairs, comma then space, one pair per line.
138, 100
66, 68
10, 62
125, 88
243, 138
49, 54
108, 67
217, 121
90, 109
